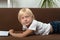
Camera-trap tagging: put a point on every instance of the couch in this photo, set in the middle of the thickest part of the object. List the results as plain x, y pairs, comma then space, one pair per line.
9, 20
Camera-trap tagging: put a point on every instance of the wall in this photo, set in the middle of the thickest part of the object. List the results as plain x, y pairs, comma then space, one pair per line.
3, 3
30, 4
26, 3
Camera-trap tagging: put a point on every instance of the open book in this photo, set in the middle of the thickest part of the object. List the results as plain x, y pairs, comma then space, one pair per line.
4, 33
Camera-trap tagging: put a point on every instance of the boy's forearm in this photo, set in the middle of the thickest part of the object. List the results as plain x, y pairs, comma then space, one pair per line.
17, 34
23, 34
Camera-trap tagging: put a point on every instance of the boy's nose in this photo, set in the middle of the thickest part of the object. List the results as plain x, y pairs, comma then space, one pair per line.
25, 19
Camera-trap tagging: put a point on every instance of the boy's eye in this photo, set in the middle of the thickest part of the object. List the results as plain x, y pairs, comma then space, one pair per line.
25, 17
22, 17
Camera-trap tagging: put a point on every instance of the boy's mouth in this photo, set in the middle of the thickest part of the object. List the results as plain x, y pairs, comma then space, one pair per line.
26, 22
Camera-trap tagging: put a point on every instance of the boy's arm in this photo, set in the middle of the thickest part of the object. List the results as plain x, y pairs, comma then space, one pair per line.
25, 33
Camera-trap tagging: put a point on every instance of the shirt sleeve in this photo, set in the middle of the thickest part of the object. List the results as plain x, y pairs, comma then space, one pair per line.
33, 25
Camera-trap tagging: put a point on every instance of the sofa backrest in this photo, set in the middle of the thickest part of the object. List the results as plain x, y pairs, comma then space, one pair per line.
9, 20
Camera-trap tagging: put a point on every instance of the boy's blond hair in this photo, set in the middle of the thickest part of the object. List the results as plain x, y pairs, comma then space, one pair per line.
25, 11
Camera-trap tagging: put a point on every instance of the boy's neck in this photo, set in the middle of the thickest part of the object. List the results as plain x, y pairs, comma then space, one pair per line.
28, 25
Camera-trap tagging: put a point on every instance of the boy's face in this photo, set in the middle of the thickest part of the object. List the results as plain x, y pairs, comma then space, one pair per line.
26, 19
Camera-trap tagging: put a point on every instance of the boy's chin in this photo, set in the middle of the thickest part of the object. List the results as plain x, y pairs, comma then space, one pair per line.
27, 24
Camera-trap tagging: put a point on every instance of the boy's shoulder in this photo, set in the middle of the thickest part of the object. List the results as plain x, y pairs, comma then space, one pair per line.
36, 21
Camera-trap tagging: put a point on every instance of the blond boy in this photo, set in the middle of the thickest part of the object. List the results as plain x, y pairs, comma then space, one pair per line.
30, 25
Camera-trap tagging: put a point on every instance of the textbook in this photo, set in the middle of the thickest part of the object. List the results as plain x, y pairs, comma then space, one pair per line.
4, 33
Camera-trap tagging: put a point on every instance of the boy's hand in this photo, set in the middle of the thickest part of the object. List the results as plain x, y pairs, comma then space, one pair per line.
11, 31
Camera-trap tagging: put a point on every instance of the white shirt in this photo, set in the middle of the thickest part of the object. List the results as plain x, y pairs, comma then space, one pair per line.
39, 27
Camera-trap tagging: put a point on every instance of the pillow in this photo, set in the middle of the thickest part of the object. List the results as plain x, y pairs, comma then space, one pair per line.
4, 33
